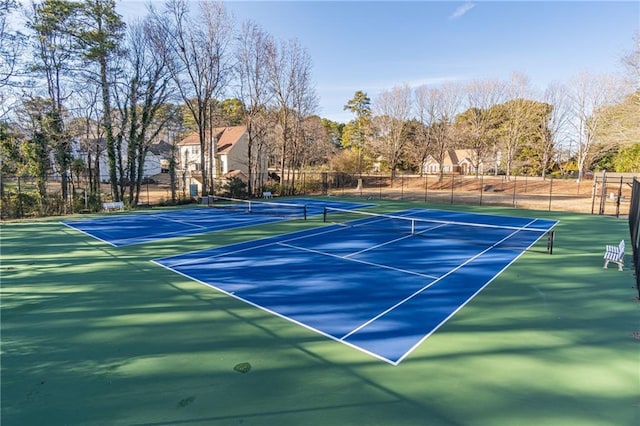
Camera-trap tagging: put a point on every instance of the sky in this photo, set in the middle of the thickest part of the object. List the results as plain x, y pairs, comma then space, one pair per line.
375, 45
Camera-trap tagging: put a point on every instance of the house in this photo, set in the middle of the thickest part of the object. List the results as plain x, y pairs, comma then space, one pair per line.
456, 161
231, 160
156, 160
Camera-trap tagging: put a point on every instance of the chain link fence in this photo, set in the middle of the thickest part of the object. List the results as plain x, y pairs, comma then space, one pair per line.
605, 194
634, 231
26, 196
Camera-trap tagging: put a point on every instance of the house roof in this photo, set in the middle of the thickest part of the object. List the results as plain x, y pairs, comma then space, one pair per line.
453, 156
227, 137
234, 173
160, 148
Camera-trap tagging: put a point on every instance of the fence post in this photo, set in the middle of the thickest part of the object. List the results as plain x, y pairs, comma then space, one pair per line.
603, 192
515, 178
325, 183
618, 199
20, 205
594, 191
452, 182
550, 191
426, 186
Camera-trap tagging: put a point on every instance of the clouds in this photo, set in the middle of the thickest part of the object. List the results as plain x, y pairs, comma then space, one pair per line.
462, 10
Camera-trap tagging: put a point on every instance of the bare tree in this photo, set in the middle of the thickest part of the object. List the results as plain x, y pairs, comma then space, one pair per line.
553, 132
426, 116
11, 44
631, 62
478, 122
196, 51
140, 96
305, 103
316, 144
589, 93
254, 47
620, 122
291, 85
436, 109
517, 113
87, 129
392, 110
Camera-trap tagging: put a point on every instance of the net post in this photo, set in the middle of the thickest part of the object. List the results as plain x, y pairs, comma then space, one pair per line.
324, 214
550, 238
304, 211
413, 227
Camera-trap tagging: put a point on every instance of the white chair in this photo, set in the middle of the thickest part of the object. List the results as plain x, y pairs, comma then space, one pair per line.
614, 254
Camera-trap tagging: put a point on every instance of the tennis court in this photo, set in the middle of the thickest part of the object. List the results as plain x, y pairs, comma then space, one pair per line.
127, 229
99, 335
379, 283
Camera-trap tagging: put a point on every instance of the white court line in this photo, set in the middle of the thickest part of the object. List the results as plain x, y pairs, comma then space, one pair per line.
403, 301
332, 337
334, 228
183, 222
393, 241
200, 259
358, 261
88, 234
130, 241
278, 314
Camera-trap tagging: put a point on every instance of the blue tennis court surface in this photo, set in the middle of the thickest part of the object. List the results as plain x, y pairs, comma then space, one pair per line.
126, 229
369, 283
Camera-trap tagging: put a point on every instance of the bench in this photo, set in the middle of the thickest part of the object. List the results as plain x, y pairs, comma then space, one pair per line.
113, 205
614, 254
267, 194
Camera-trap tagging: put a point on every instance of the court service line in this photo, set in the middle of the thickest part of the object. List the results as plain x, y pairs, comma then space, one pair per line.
184, 222
431, 284
164, 235
200, 259
188, 232
391, 241
357, 261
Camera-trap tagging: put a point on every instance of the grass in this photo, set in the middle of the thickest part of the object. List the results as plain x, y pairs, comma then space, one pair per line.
97, 335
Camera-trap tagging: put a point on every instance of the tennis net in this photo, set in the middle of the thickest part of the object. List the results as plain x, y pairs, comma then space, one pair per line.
489, 235
288, 210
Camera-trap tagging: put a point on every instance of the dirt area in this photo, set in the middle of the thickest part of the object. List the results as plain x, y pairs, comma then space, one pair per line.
520, 192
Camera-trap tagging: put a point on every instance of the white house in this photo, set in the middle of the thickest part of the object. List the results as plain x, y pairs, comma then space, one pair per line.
232, 145
155, 161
